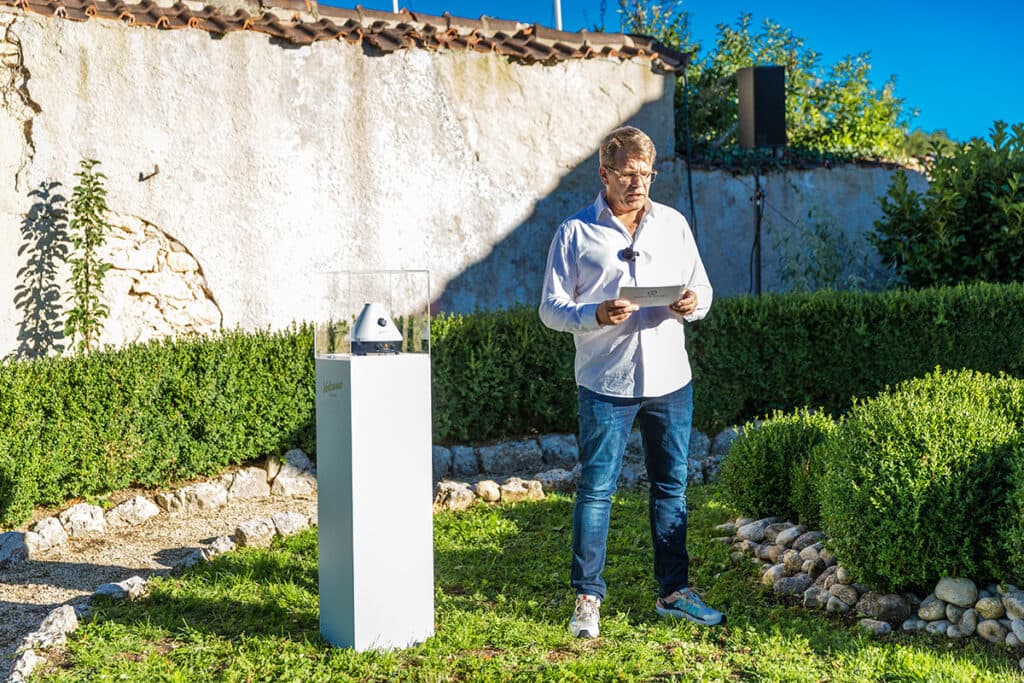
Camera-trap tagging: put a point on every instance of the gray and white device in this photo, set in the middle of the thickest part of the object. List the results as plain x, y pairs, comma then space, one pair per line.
375, 333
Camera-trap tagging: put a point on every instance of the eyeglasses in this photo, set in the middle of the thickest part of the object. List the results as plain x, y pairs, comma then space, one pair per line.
628, 179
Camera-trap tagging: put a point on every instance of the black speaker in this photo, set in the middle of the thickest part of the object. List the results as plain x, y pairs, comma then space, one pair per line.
762, 100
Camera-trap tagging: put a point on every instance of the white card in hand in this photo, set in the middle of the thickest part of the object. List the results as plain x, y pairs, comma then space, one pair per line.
652, 296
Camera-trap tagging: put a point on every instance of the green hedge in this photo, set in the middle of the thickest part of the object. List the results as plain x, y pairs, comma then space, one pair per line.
753, 355
149, 414
500, 373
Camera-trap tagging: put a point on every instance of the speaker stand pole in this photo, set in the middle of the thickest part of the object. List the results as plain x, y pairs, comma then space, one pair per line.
758, 212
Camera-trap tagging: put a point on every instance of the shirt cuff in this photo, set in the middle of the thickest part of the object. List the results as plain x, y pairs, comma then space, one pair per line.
588, 317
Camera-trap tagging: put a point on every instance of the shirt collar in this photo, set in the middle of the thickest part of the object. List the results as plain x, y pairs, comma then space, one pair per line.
601, 207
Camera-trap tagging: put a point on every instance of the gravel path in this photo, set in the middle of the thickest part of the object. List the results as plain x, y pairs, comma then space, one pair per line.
72, 571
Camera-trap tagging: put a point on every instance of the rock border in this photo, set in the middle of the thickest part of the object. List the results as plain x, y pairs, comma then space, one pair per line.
794, 561
295, 476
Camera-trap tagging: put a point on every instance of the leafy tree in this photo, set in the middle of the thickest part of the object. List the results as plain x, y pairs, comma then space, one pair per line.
969, 225
88, 231
919, 143
829, 111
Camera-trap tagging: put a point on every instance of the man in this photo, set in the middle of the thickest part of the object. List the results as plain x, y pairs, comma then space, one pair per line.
630, 363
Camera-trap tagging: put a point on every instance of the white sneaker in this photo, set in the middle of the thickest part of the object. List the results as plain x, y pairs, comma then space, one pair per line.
585, 619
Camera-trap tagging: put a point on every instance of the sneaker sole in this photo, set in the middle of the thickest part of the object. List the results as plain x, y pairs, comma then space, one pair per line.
683, 615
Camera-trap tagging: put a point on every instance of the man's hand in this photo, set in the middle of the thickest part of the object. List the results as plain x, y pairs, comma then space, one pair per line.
687, 304
615, 311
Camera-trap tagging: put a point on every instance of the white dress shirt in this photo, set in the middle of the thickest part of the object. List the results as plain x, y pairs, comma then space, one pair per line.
645, 356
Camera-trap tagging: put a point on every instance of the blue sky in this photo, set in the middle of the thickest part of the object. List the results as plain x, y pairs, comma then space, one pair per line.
960, 65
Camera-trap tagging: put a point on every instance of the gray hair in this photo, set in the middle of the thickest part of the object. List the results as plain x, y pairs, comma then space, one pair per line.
631, 139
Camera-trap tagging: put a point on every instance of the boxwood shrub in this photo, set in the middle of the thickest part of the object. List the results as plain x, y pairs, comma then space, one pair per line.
768, 471
916, 481
150, 414
752, 355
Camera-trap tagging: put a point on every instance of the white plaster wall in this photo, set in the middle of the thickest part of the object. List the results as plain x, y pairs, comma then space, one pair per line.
277, 163
847, 197
280, 163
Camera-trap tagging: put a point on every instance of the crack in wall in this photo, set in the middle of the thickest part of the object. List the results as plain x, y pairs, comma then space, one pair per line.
14, 94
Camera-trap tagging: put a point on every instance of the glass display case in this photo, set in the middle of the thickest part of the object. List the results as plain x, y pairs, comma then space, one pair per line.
374, 312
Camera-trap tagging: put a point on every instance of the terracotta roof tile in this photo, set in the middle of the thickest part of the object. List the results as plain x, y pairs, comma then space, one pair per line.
302, 22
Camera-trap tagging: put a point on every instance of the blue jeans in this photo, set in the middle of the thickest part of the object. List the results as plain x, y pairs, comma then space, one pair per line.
605, 425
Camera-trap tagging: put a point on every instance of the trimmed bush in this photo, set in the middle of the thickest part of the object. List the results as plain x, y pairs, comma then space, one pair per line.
753, 355
916, 480
150, 414
499, 374
767, 471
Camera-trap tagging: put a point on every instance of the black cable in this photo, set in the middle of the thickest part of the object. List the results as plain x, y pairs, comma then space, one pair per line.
756, 243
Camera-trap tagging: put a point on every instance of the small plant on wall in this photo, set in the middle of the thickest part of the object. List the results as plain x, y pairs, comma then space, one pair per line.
88, 231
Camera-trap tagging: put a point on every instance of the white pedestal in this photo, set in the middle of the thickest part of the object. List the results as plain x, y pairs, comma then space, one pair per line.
373, 430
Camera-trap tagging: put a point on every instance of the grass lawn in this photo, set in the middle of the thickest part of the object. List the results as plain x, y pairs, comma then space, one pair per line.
502, 609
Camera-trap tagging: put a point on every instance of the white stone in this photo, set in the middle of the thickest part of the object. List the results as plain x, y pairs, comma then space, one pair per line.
82, 520
843, 575
219, 546
990, 608
450, 495
289, 523
47, 533
54, 629
515, 490
250, 482
132, 512
24, 664
131, 588
1013, 601
203, 496
992, 631
488, 491
959, 591
292, 481
169, 501
787, 536
162, 285
932, 608
791, 559
142, 258
257, 533
774, 573
751, 532
556, 480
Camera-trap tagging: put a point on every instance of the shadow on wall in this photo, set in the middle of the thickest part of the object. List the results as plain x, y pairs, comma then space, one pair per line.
513, 271
38, 294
